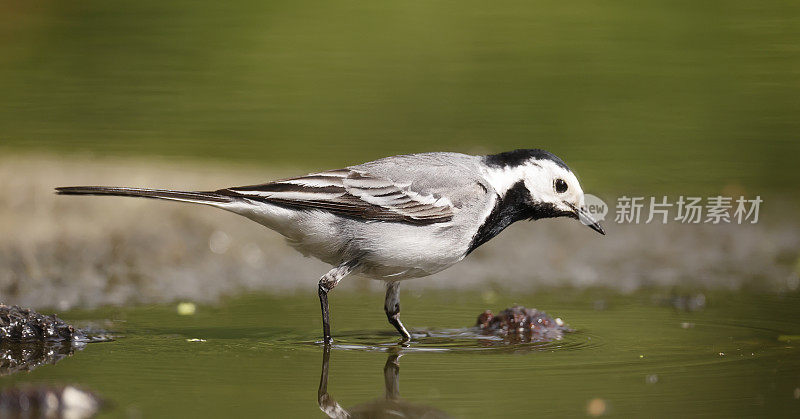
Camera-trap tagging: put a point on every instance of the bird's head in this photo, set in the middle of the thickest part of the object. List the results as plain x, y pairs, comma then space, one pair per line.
539, 185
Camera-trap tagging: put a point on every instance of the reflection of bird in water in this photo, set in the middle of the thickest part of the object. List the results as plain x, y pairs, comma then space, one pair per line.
390, 406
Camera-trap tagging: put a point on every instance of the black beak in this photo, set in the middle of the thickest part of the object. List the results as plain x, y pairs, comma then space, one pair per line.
589, 221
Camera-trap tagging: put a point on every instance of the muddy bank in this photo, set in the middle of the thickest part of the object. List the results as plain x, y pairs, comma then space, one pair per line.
63, 252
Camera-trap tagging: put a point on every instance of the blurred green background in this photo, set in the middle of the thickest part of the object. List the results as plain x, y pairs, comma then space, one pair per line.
672, 96
657, 97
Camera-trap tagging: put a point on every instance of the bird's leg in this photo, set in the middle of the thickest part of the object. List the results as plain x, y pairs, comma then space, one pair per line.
391, 377
326, 403
326, 283
392, 307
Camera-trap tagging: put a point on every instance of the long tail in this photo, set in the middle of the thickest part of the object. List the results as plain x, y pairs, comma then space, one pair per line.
208, 198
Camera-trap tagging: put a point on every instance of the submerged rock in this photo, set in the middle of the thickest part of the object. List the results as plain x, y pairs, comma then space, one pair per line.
520, 324
48, 402
25, 325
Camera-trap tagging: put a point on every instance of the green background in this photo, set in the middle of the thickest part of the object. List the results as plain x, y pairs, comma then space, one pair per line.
658, 96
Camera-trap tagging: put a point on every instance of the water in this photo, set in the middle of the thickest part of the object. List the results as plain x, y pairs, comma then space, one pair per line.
635, 355
677, 96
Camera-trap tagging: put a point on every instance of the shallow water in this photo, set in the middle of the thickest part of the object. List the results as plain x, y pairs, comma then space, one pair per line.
635, 355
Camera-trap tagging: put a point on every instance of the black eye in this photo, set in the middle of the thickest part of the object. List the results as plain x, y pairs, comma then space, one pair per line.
561, 186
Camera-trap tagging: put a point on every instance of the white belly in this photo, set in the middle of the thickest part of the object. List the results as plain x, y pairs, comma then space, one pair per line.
400, 251
385, 250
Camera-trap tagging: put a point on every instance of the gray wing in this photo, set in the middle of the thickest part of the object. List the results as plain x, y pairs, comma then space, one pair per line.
401, 188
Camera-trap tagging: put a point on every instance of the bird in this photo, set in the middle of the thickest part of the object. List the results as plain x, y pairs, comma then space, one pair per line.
396, 218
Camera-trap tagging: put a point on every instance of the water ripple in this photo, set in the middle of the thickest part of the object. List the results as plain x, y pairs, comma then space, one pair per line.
468, 339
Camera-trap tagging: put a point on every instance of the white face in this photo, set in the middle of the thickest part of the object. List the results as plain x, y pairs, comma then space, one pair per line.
550, 183
547, 183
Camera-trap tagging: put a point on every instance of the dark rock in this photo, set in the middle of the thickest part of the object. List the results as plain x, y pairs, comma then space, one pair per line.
29, 339
520, 324
25, 325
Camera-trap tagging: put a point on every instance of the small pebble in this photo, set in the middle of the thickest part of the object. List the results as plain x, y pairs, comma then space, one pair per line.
596, 407
687, 325
651, 379
797, 393
722, 354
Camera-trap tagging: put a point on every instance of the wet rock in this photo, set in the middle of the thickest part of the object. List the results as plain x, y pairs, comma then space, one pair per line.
25, 325
520, 324
29, 339
48, 402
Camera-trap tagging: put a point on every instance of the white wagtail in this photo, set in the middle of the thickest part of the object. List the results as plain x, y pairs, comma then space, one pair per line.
399, 217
